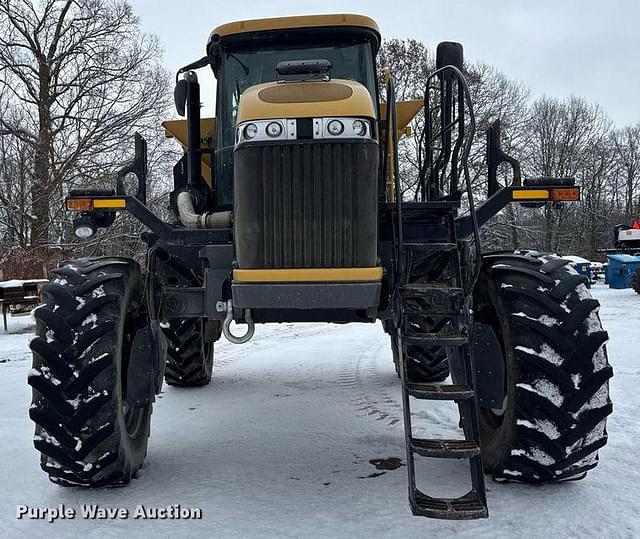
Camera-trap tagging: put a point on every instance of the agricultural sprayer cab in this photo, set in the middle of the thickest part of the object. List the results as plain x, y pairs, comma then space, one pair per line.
291, 207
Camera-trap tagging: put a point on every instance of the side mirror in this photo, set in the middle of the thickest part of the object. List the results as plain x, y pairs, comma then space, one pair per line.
180, 96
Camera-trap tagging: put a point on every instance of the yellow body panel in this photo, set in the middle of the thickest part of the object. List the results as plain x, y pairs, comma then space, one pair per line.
307, 275
405, 112
253, 107
178, 129
289, 23
530, 194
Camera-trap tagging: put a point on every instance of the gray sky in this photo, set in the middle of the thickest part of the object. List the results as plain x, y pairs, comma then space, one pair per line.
589, 48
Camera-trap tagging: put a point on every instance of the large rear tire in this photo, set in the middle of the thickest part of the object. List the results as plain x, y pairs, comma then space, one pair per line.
189, 356
425, 363
190, 349
553, 420
92, 426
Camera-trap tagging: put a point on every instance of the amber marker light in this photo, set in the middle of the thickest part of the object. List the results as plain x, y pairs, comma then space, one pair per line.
110, 203
565, 194
79, 204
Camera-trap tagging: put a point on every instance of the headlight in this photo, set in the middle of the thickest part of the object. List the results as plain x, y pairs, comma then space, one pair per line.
274, 129
359, 128
250, 131
84, 227
288, 129
342, 127
335, 127
263, 130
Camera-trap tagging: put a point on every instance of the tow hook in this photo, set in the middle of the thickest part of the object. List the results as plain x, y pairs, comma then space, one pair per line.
226, 326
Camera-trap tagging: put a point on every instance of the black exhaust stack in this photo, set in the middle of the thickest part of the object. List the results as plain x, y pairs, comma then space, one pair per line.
448, 53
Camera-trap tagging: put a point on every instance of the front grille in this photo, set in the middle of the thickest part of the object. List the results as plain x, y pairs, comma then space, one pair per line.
306, 204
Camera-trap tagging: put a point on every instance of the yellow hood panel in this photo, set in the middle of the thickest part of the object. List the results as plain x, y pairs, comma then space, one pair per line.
305, 100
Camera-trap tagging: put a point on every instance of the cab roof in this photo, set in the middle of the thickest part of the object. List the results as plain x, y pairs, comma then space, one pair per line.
346, 20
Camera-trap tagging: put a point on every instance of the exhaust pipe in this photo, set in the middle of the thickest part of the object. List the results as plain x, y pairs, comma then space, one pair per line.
191, 219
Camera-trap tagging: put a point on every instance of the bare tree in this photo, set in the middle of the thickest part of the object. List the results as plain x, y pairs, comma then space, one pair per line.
627, 147
562, 134
410, 63
81, 79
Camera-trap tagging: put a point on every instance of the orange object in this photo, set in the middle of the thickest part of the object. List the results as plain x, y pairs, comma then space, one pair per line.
566, 193
79, 204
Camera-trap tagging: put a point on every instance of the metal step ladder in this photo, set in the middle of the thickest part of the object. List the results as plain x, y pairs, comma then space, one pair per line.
436, 314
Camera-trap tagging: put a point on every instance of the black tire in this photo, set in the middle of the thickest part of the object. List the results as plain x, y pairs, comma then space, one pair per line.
425, 363
635, 281
86, 431
189, 356
556, 370
190, 349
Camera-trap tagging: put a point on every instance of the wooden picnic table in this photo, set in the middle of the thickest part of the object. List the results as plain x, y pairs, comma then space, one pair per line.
19, 292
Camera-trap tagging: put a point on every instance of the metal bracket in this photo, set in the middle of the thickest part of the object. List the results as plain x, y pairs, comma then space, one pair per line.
137, 166
187, 302
495, 156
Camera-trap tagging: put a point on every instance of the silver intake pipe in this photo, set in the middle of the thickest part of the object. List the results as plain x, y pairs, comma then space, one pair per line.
191, 219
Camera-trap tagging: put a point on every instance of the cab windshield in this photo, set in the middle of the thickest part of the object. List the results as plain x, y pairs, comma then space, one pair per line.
246, 66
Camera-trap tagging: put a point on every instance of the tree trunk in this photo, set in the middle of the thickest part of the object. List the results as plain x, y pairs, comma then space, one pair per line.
548, 228
511, 216
629, 201
41, 186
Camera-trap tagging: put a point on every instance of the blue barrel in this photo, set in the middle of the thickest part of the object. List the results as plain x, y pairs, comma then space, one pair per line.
582, 266
584, 269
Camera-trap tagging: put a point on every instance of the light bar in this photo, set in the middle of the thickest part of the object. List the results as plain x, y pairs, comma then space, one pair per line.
552, 194
89, 204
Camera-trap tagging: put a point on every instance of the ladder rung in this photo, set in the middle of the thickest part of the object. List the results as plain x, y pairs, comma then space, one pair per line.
451, 449
439, 392
432, 299
437, 339
431, 205
465, 507
434, 288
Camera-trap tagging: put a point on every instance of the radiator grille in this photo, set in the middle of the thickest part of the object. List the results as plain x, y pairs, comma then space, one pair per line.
306, 205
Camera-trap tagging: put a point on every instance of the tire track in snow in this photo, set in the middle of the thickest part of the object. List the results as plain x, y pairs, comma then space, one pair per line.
272, 338
369, 396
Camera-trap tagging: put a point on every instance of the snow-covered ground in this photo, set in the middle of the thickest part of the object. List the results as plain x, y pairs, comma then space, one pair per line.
282, 444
